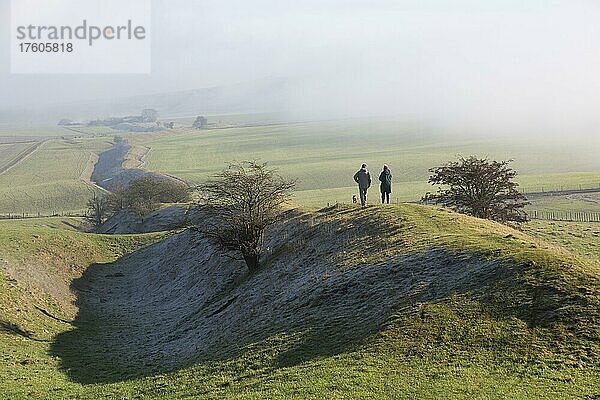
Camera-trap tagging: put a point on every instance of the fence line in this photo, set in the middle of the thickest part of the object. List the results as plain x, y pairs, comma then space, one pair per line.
573, 216
559, 189
39, 215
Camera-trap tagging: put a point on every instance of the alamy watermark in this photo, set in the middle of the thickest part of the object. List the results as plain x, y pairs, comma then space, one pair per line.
92, 36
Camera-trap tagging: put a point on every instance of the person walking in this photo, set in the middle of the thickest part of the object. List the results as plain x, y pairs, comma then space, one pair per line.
363, 178
385, 177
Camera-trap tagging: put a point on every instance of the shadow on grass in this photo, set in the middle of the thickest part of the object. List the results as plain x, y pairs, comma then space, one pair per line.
15, 329
179, 302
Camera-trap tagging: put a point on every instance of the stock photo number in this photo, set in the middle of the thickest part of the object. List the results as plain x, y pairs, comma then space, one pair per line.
27, 47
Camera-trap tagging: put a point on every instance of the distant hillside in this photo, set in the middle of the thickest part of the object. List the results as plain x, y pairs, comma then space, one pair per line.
402, 301
262, 97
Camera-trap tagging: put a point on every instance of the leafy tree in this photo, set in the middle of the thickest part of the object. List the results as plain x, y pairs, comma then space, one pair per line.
117, 200
479, 187
145, 194
200, 122
244, 200
98, 210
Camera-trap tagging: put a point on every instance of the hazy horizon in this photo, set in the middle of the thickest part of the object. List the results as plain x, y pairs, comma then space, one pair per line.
501, 66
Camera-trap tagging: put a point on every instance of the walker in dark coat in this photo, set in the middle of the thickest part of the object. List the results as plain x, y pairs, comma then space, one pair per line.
363, 178
386, 184
386, 181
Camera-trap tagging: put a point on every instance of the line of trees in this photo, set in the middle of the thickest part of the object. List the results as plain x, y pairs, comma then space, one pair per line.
142, 196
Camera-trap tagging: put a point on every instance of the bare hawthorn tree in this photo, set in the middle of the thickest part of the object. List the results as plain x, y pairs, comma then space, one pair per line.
479, 187
98, 210
243, 201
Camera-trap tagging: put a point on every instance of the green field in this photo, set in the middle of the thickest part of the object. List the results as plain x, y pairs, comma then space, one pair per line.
41, 130
323, 156
83, 130
229, 119
52, 179
11, 153
585, 202
579, 237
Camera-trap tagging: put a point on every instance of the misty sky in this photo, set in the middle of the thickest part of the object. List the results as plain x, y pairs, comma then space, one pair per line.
532, 64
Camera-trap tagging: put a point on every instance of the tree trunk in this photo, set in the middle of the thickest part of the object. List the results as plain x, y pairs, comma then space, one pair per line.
252, 261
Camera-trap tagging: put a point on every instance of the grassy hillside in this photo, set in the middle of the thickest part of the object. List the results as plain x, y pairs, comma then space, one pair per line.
580, 237
396, 302
38, 261
41, 130
53, 178
323, 156
12, 152
588, 202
